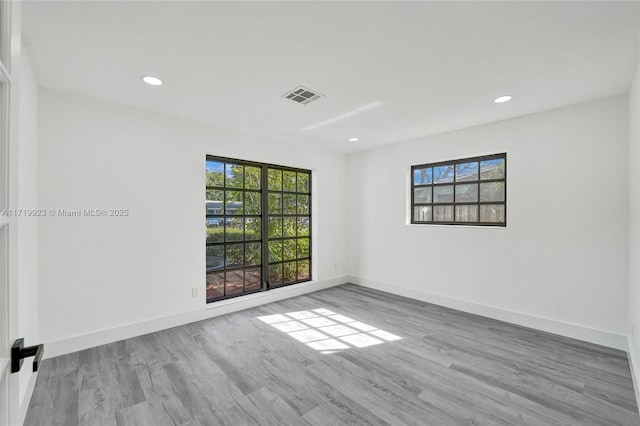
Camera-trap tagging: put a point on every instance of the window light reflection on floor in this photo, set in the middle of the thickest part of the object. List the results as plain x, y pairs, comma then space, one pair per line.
327, 331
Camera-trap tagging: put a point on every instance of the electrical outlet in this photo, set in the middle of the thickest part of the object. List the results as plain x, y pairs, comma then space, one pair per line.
194, 292
335, 266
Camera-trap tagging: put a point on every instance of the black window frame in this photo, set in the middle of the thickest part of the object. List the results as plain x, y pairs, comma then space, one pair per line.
265, 284
453, 184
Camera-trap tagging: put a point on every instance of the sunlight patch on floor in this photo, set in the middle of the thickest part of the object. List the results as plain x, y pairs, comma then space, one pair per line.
327, 331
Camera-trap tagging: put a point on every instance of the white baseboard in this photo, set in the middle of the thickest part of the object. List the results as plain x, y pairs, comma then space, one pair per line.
574, 331
101, 337
633, 366
26, 398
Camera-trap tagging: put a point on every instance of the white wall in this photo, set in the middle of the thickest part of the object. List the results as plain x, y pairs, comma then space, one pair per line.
100, 273
561, 263
27, 247
634, 227
565, 273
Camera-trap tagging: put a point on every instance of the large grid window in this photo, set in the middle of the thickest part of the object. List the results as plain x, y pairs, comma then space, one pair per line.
234, 228
469, 191
256, 239
289, 215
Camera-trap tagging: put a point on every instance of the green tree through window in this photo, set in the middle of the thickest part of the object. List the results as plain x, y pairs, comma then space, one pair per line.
258, 227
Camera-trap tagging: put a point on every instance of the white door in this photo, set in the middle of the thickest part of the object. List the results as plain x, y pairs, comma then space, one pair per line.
9, 11
7, 388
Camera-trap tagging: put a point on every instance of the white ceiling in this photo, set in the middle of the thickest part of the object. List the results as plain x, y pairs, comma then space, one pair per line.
390, 71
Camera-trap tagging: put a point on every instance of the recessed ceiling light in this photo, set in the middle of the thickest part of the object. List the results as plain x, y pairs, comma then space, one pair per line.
354, 139
502, 99
153, 81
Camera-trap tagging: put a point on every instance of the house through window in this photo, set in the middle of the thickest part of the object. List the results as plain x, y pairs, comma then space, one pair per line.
469, 191
258, 219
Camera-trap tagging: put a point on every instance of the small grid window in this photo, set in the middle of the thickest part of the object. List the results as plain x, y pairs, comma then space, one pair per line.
469, 191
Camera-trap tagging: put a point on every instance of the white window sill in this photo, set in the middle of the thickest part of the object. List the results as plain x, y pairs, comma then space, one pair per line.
427, 225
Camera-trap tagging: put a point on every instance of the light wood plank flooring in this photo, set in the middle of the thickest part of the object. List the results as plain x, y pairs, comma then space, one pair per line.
345, 355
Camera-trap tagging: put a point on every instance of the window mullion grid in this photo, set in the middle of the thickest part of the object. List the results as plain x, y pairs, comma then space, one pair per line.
224, 228
478, 192
265, 226
413, 201
454, 183
295, 232
264, 217
244, 255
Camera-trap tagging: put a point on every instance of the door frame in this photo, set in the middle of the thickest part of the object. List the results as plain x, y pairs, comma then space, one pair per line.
10, 46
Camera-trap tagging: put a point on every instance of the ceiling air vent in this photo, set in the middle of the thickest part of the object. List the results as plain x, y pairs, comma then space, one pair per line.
302, 95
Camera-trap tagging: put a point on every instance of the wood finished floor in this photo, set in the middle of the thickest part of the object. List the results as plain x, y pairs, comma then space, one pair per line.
448, 368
